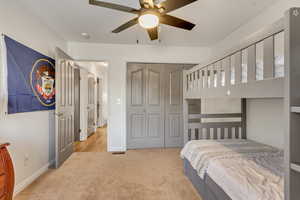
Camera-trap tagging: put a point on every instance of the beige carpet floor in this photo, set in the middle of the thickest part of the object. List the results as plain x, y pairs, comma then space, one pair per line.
155, 174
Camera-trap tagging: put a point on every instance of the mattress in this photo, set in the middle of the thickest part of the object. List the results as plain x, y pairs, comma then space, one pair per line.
206, 187
244, 169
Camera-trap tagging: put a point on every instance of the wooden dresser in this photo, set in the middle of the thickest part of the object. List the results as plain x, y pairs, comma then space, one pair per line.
7, 178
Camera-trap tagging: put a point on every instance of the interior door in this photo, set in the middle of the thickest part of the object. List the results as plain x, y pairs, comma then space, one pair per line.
64, 112
145, 106
99, 102
91, 105
173, 106
84, 104
77, 104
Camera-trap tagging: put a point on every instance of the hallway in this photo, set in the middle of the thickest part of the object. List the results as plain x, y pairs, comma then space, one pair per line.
97, 142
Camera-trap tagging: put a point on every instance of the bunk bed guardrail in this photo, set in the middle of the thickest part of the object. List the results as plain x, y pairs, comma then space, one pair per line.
254, 69
218, 126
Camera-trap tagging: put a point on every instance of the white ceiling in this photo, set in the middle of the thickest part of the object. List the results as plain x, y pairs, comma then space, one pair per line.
214, 20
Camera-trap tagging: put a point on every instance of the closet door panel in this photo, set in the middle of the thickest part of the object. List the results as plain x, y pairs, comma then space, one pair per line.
155, 105
173, 106
136, 104
138, 126
145, 106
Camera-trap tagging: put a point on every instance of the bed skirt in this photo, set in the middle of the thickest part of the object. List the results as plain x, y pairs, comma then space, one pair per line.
207, 188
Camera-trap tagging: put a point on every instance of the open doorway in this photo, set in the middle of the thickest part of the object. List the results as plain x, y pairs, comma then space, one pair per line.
91, 106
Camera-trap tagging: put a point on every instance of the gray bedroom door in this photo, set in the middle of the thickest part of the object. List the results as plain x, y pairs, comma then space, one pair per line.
100, 119
91, 105
77, 104
64, 112
145, 106
173, 106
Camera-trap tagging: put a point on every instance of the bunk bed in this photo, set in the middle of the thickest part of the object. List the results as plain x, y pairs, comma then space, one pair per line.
218, 158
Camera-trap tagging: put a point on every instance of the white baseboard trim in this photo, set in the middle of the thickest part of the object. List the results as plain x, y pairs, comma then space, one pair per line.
23, 184
116, 149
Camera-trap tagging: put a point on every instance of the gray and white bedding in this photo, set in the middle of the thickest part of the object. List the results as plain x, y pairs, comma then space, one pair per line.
244, 169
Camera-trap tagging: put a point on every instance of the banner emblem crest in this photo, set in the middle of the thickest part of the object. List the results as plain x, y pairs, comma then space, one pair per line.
42, 79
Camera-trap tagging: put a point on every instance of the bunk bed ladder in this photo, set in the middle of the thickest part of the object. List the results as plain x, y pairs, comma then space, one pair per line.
292, 104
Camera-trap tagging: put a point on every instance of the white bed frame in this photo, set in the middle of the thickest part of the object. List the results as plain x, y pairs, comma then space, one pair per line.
200, 83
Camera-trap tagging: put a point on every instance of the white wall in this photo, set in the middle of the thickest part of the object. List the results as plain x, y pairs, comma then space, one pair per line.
265, 122
117, 56
266, 18
28, 133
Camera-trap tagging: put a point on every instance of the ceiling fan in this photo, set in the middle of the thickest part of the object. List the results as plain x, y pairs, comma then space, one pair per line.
151, 14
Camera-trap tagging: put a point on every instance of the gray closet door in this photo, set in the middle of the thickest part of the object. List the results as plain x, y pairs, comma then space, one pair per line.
145, 104
173, 106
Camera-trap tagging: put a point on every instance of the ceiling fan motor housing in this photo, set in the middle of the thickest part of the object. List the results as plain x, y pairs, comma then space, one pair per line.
151, 11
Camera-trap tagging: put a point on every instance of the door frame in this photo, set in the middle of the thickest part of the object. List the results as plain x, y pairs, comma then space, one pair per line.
53, 142
96, 91
92, 106
186, 67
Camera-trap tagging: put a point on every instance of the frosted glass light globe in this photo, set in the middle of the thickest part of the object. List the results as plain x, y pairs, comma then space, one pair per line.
148, 21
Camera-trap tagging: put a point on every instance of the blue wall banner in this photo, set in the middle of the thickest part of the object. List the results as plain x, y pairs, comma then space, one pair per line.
30, 79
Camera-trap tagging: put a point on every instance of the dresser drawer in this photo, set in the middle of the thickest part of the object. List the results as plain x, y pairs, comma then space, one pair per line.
1, 167
6, 174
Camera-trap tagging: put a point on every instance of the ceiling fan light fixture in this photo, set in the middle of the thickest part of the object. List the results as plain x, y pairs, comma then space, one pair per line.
148, 21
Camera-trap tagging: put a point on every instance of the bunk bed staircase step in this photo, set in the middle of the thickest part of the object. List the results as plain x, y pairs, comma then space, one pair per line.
295, 167
295, 109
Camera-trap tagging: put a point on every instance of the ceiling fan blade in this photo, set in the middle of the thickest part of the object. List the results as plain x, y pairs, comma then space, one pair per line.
153, 33
126, 25
114, 6
176, 22
143, 3
170, 5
